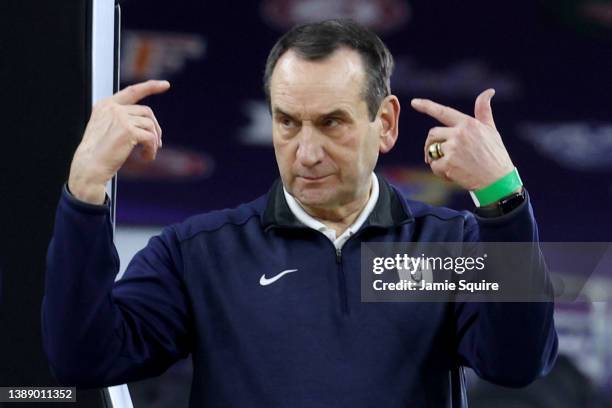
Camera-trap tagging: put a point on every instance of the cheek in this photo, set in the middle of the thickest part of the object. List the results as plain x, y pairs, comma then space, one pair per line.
284, 152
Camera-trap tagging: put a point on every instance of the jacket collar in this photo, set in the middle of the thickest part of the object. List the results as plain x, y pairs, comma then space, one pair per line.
390, 209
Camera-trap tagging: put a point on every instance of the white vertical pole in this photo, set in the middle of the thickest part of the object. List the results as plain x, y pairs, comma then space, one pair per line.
104, 61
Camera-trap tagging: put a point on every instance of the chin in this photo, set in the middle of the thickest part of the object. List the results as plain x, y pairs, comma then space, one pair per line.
313, 198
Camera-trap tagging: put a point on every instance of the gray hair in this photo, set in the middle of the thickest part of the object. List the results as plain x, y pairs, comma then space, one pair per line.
316, 41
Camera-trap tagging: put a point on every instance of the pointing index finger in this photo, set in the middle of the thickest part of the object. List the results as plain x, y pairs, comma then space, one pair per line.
446, 115
134, 93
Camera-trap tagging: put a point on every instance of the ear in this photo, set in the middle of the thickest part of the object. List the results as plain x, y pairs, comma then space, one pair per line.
388, 114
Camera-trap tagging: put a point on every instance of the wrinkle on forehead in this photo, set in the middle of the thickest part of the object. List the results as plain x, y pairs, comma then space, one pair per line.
318, 86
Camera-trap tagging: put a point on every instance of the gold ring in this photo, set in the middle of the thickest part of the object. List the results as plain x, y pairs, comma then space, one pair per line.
435, 151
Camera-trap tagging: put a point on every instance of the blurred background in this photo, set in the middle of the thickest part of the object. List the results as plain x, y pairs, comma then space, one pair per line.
549, 61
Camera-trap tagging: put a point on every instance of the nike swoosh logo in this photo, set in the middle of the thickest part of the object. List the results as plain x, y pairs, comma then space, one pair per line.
263, 281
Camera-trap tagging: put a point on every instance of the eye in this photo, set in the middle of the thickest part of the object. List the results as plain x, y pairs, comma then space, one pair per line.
331, 122
287, 122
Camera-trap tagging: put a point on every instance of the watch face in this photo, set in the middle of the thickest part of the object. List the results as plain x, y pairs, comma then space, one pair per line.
508, 204
504, 206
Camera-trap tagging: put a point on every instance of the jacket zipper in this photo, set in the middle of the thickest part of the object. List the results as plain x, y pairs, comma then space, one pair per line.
342, 277
342, 280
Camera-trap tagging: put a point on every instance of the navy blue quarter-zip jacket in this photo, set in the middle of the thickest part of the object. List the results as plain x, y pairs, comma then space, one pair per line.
303, 340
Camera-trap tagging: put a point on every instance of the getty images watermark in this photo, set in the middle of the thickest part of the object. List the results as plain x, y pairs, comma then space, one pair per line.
422, 265
486, 272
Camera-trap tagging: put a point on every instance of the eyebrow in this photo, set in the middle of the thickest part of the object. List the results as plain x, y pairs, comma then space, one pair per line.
335, 112
278, 111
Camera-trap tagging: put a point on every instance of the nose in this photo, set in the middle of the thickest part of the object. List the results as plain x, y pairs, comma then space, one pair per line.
310, 149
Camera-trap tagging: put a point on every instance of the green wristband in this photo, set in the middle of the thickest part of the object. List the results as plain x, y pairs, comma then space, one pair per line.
499, 189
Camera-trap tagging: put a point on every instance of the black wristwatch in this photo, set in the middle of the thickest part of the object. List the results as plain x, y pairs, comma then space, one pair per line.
503, 206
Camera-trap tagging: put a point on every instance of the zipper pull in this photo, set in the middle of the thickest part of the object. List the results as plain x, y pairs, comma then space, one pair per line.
338, 255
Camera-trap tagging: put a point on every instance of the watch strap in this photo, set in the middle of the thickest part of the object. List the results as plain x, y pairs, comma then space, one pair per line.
497, 190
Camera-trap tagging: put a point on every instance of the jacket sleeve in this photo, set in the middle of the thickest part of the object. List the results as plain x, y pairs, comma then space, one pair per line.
508, 343
98, 332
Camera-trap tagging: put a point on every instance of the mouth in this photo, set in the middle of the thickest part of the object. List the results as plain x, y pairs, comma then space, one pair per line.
313, 179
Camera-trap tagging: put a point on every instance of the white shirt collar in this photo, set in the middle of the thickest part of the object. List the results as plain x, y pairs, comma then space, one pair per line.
313, 223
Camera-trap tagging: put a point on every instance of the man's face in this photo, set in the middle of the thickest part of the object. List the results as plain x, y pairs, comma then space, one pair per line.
325, 145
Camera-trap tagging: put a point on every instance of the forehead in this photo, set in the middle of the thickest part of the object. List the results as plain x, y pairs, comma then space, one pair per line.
336, 81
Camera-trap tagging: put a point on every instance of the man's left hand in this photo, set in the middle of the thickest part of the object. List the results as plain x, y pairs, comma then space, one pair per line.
474, 154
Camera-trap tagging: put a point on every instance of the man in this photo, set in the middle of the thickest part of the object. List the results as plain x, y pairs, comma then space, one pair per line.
266, 296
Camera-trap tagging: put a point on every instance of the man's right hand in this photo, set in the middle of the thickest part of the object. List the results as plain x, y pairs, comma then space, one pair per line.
115, 127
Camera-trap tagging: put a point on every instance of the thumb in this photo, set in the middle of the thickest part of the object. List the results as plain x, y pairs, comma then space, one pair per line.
482, 107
